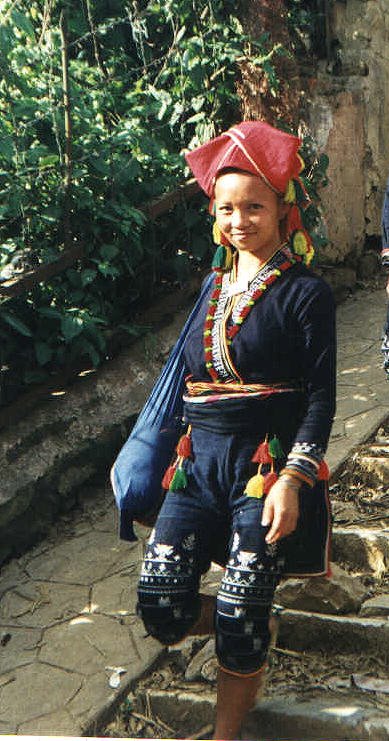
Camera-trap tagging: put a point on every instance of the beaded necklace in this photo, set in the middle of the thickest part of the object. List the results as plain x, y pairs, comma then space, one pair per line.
245, 307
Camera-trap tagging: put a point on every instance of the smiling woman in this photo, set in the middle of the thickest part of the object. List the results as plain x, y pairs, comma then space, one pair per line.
248, 213
248, 487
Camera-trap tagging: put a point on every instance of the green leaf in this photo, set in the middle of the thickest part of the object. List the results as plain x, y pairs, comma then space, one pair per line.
49, 311
108, 251
43, 352
71, 327
90, 350
15, 323
49, 160
87, 276
108, 270
6, 148
21, 21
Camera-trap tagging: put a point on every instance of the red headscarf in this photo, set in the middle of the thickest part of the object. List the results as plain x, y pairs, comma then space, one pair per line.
253, 146
261, 149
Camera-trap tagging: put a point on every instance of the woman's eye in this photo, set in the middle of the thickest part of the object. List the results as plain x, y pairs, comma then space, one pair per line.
255, 206
224, 209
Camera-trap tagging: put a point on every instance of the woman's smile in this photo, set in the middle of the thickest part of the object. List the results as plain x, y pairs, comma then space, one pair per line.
248, 213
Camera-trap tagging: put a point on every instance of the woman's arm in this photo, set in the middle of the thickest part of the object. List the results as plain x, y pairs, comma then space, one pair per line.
315, 317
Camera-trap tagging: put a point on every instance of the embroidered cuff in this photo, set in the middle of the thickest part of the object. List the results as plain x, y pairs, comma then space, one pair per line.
303, 462
385, 257
385, 352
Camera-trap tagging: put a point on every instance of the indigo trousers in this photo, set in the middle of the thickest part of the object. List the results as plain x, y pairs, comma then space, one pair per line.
213, 520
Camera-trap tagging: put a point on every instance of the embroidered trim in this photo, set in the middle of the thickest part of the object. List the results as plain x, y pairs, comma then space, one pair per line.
313, 450
217, 335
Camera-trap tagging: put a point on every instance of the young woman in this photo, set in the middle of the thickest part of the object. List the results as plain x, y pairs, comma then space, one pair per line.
248, 488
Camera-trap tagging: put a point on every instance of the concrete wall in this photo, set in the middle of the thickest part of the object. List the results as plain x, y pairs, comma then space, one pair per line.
349, 116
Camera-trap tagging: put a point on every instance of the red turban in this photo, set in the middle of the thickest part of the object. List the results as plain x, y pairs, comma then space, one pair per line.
253, 146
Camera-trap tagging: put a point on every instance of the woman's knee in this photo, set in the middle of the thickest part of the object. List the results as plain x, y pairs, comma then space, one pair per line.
168, 618
242, 644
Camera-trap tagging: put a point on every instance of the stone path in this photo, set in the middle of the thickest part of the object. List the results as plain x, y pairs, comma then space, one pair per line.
70, 644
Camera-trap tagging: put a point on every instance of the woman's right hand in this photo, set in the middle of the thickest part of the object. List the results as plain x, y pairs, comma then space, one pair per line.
281, 509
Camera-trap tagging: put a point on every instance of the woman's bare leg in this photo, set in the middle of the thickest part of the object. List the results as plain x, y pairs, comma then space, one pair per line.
235, 697
206, 622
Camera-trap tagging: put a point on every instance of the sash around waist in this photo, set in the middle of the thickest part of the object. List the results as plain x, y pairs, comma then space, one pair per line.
240, 415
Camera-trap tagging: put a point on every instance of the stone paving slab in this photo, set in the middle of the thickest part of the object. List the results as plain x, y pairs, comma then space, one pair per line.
325, 716
310, 631
370, 548
67, 611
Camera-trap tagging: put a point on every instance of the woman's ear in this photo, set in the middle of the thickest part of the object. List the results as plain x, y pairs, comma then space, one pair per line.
283, 209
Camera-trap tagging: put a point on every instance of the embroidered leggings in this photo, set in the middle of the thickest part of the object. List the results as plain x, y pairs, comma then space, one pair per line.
212, 520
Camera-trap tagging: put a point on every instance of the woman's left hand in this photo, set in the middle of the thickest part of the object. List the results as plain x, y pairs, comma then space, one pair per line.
281, 509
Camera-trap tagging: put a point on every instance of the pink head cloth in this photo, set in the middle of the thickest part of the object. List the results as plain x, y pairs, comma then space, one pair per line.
253, 146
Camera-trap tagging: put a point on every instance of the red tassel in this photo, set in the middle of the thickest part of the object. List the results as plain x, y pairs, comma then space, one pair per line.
323, 473
168, 477
269, 480
262, 454
184, 447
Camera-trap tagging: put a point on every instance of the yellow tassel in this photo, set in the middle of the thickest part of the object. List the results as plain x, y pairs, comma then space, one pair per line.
290, 193
216, 233
228, 263
300, 244
254, 487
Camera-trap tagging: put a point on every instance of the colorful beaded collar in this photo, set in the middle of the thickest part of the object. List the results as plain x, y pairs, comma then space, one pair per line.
245, 307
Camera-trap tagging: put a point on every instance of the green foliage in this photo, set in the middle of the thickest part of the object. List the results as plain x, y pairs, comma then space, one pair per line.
147, 79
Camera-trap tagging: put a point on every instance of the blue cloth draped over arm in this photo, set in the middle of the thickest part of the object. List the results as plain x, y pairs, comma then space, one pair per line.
138, 470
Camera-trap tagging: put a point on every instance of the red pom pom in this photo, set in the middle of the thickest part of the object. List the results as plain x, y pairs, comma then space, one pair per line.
323, 473
269, 480
262, 454
208, 324
168, 477
184, 447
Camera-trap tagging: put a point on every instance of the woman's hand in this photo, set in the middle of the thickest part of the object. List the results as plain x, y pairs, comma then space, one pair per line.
281, 509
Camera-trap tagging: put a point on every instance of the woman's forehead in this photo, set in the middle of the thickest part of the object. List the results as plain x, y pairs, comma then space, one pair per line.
242, 185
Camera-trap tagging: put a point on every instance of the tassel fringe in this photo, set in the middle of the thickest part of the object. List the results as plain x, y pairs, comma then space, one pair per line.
265, 455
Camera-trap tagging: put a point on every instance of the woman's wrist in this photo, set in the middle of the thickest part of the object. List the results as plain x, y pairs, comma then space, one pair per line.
292, 482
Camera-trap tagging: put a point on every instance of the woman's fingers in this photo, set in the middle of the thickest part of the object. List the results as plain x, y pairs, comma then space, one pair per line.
268, 513
283, 524
281, 510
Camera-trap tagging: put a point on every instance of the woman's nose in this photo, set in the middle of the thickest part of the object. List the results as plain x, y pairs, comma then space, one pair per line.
238, 218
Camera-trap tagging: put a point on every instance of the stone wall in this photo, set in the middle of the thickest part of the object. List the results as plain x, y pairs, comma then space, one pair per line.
349, 116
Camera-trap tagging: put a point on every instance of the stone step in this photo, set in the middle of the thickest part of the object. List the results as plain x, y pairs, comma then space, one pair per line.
330, 716
310, 631
363, 549
48, 457
374, 469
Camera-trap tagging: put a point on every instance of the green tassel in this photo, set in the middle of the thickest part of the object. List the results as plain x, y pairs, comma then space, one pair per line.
179, 480
219, 257
275, 448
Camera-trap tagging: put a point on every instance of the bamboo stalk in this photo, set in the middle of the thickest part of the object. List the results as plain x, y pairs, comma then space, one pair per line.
68, 162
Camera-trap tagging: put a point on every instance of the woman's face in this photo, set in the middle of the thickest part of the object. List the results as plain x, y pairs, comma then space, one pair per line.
248, 213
